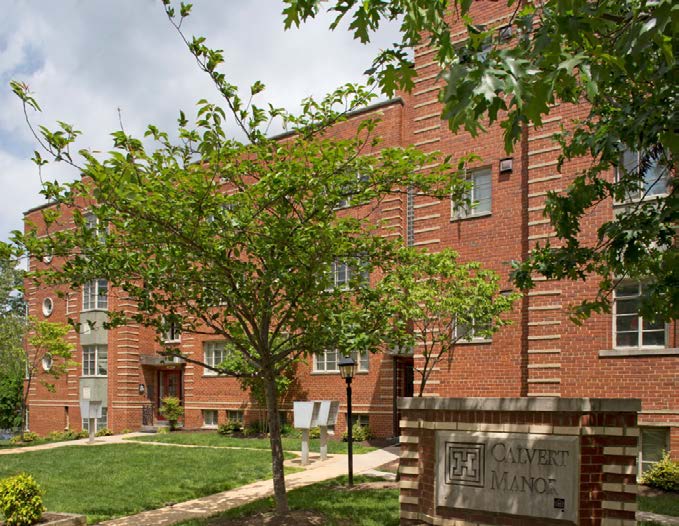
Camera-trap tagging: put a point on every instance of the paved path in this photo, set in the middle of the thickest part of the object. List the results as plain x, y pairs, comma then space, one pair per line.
665, 520
98, 441
213, 504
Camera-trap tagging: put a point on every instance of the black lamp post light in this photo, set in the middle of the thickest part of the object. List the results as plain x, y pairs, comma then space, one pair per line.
347, 369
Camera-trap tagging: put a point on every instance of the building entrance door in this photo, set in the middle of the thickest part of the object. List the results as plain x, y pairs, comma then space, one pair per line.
170, 384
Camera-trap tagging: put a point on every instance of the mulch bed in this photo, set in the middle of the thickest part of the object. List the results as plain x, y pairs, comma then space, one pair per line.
294, 518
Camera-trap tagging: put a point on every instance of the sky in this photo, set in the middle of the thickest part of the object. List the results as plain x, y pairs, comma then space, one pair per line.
93, 63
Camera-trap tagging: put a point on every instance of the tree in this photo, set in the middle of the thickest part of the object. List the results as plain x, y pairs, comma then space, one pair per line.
617, 58
47, 358
12, 327
444, 302
216, 236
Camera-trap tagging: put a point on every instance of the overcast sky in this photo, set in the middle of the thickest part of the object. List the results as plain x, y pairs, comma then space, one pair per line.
85, 59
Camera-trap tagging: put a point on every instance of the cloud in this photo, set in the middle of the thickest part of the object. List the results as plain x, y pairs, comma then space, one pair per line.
86, 61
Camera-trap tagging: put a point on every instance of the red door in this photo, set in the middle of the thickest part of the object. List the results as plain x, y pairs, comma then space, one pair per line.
170, 384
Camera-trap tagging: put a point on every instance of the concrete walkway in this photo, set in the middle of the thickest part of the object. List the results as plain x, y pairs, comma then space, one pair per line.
214, 504
656, 518
98, 441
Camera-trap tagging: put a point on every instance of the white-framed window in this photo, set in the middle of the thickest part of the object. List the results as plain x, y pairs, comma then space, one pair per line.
95, 360
27, 414
234, 415
326, 362
361, 419
215, 353
172, 333
470, 332
92, 223
210, 418
654, 182
99, 423
47, 306
342, 272
653, 442
351, 189
479, 196
95, 295
630, 329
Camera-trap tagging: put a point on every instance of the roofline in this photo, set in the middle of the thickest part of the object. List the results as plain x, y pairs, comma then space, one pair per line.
353, 113
40, 207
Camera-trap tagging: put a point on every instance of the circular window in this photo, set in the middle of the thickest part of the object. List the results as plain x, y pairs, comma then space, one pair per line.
47, 306
47, 362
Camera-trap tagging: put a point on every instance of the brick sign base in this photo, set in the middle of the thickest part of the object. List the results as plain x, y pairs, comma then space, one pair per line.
518, 461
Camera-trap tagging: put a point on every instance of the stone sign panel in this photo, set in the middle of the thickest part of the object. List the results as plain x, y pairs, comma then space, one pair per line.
516, 473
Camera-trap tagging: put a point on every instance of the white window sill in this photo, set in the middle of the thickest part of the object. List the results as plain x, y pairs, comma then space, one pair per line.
470, 216
209, 426
474, 341
95, 310
638, 351
321, 373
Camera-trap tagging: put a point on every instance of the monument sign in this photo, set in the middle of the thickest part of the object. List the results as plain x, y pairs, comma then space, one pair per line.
516, 473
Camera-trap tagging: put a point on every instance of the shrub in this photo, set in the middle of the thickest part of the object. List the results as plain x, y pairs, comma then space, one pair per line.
126, 431
163, 431
256, 427
171, 408
58, 436
229, 427
20, 500
315, 432
359, 433
83, 433
104, 432
288, 431
28, 437
663, 475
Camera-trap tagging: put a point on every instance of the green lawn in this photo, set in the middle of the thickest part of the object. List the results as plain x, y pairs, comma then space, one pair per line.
216, 440
371, 507
667, 504
106, 481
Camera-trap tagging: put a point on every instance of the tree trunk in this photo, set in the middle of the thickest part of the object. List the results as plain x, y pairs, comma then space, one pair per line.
280, 495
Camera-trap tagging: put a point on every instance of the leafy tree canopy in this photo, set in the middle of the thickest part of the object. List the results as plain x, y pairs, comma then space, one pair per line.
211, 235
618, 57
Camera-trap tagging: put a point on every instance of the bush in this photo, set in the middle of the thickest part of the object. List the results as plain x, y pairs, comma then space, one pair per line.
359, 433
58, 436
171, 408
663, 475
229, 427
28, 437
163, 431
288, 431
104, 432
315, 432
83, 433
126, 431
256, 427
20, 500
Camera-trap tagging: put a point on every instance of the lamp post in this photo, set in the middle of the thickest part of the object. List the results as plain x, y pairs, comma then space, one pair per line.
347, 368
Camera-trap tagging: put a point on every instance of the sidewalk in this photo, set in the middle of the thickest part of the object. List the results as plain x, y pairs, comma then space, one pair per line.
113, 439
213, 504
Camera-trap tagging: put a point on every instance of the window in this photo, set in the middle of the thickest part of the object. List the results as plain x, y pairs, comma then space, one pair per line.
47, 306
95, 295
654, 441
172, 333
99, 423
630, 329
210, 418
470, 331
92, 223
26, 420
361, 420
479, 196
341, 273
215, 353
350, 189
95, 360
327, 361
234, 416
654, 181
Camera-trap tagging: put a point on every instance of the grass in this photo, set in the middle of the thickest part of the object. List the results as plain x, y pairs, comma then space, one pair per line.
107, 481
665, 504
216, 440
366, 507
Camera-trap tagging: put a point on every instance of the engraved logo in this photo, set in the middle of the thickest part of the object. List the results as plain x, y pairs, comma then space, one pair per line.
465, 464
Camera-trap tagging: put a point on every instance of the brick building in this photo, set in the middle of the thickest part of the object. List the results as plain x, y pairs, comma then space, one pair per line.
541, 354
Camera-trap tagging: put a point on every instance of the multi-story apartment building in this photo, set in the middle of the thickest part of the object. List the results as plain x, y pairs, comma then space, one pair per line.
542, 353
